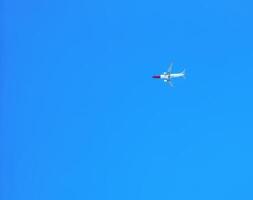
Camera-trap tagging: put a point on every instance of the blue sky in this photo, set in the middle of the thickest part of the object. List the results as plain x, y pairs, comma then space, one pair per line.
81, 117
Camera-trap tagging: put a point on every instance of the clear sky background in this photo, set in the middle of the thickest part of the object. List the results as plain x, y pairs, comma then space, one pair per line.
81, 117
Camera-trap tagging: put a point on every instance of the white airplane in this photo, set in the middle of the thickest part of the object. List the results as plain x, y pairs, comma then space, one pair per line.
168, 76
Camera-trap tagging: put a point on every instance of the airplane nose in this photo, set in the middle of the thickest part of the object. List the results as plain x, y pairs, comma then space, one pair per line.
156, 76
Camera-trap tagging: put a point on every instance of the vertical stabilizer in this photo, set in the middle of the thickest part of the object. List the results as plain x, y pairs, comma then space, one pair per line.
183, 73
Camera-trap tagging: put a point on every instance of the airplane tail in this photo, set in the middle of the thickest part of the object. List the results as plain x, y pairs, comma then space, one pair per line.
184, 73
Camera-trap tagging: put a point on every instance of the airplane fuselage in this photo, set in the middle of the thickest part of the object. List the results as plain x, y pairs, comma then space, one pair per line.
168, 76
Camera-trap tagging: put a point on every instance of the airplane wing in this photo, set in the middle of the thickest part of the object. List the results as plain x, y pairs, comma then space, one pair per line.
170, 68
169, 82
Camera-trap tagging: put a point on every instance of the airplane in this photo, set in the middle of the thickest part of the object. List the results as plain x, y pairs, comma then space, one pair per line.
168, 76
